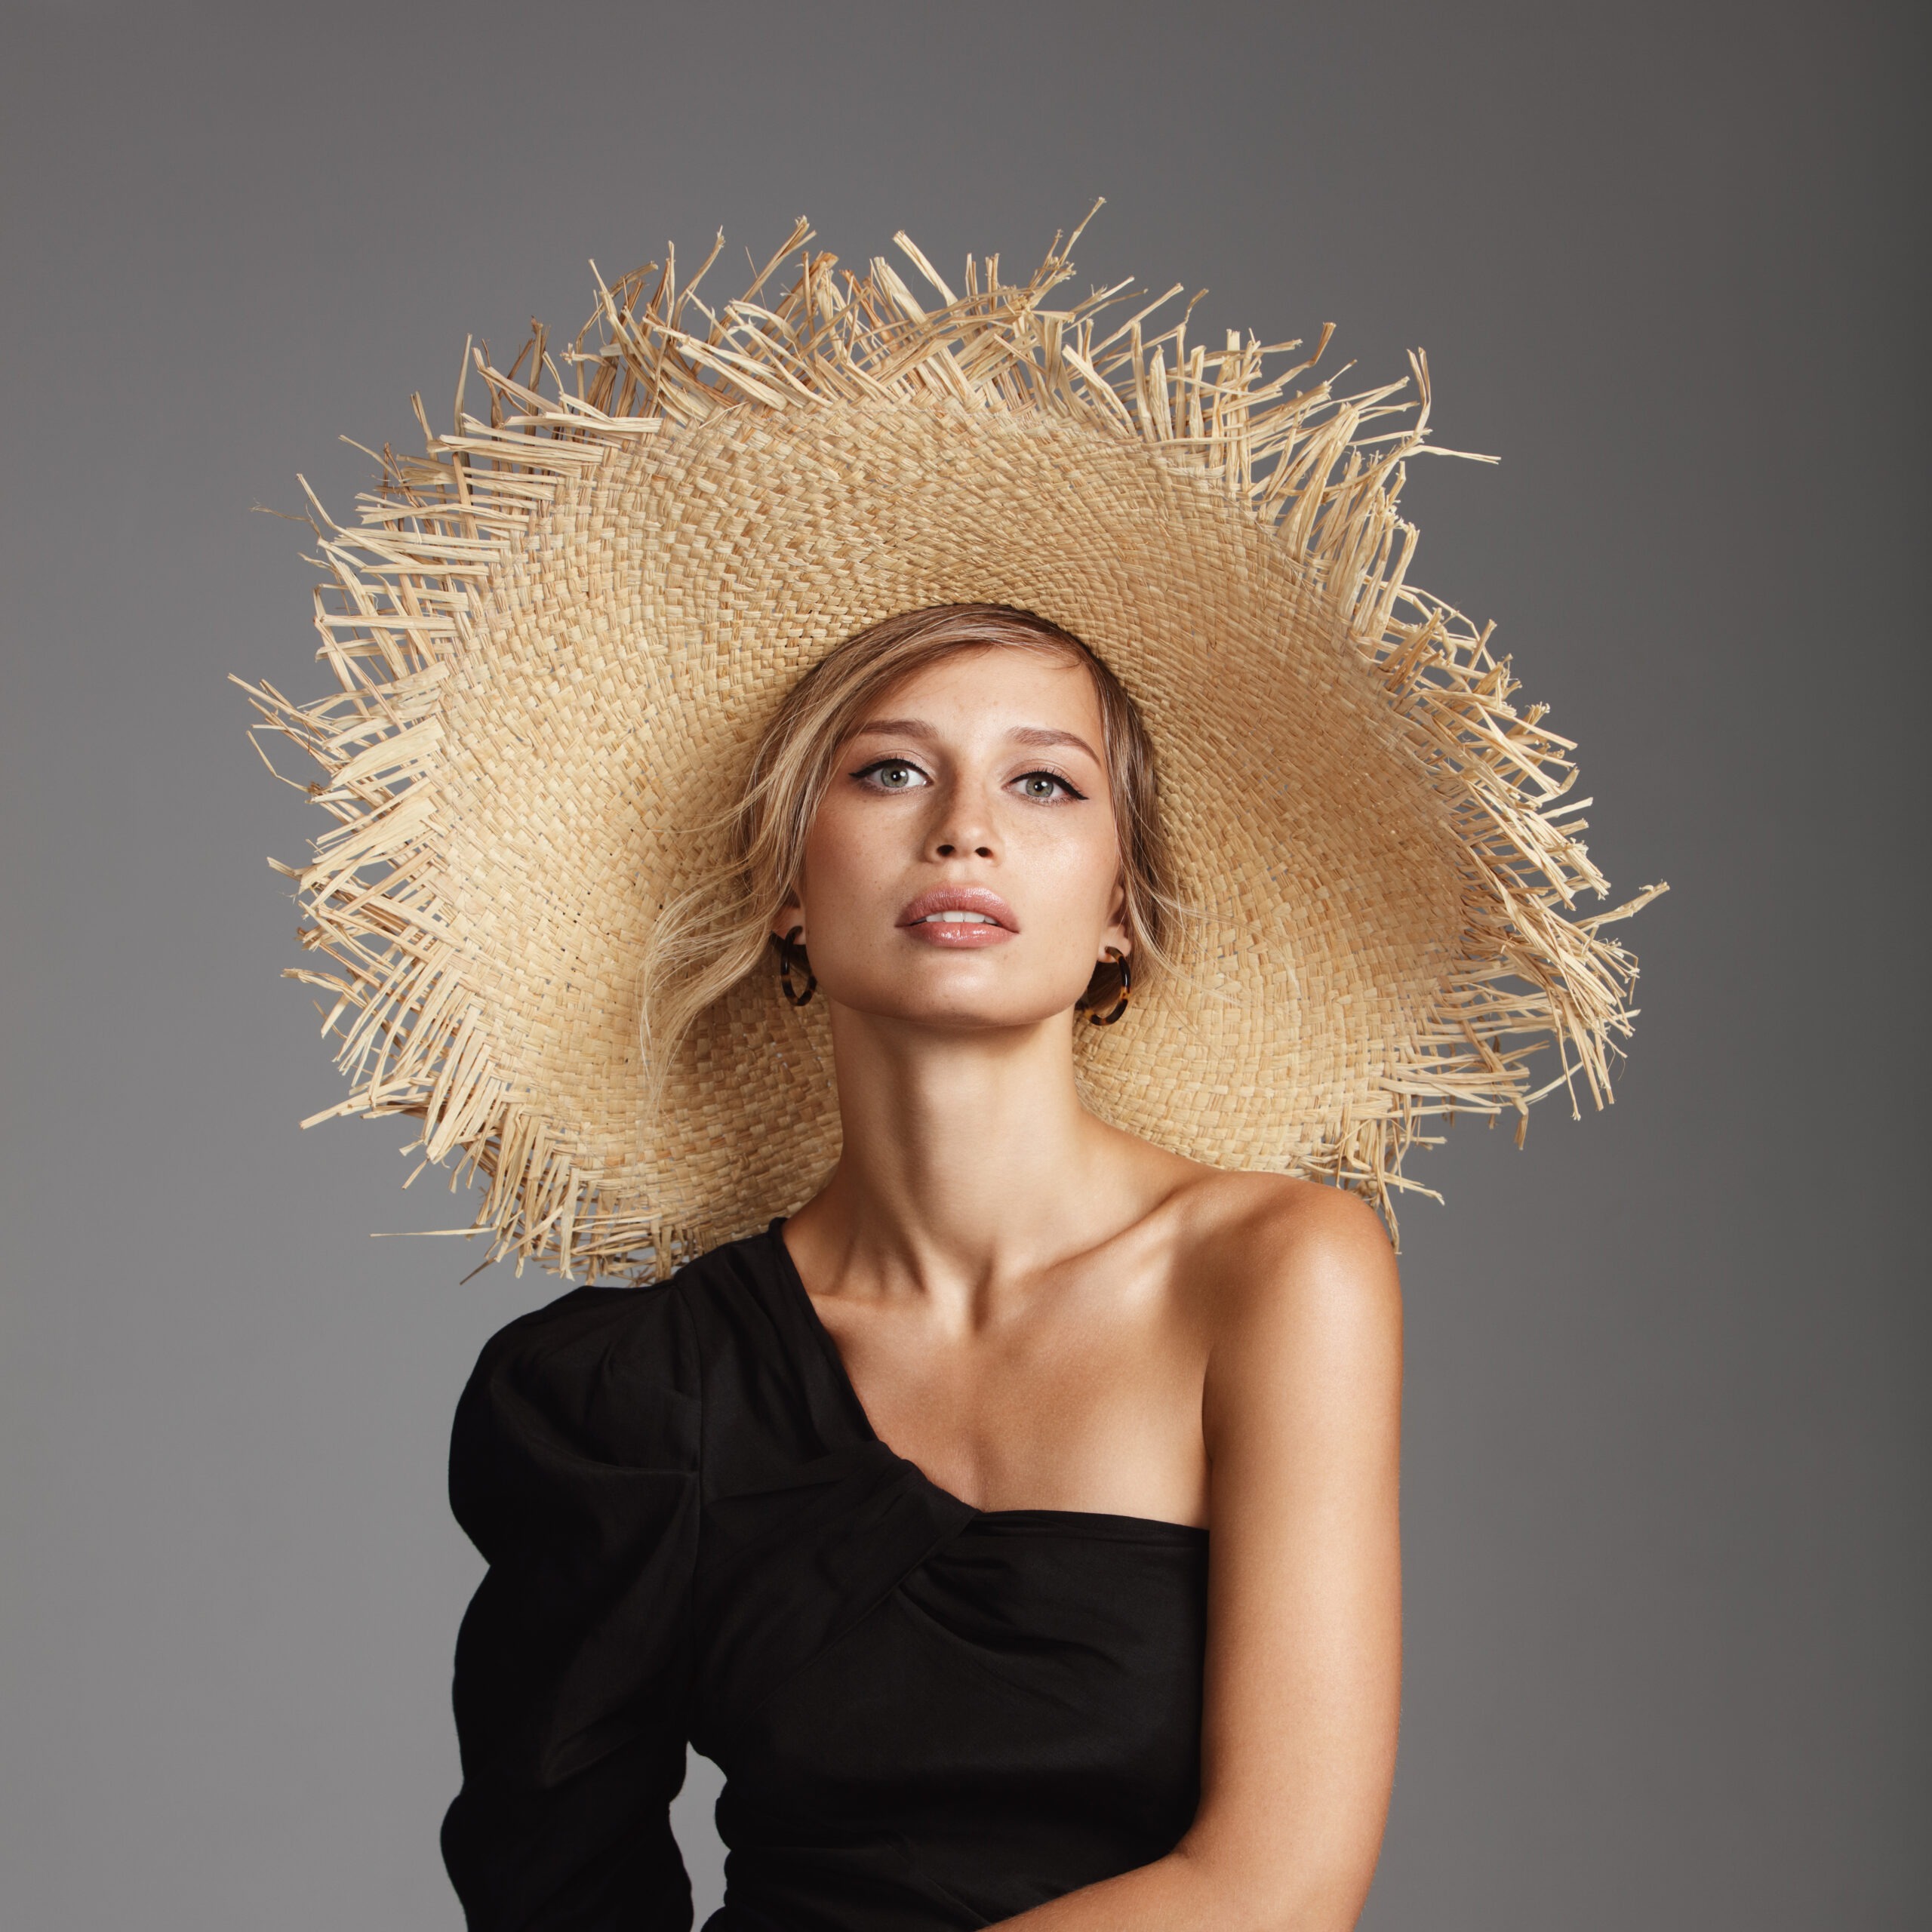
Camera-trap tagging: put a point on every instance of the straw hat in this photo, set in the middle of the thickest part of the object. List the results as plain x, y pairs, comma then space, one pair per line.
557, 635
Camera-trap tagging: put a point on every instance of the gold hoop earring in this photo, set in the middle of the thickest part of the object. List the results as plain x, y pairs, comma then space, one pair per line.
1119, 958
790, 954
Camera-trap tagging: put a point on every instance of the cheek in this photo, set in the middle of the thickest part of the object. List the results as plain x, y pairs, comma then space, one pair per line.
848, 854
1074, 871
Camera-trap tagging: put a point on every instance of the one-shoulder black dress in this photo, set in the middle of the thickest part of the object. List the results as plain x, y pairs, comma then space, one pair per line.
928, 1715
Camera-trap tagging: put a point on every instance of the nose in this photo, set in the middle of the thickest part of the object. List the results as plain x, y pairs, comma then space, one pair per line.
962, 826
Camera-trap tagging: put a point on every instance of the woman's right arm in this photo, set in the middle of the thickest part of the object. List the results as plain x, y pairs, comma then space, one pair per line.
573, 1469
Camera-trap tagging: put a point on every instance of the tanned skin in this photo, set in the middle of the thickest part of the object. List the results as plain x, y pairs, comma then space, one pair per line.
1043, 1312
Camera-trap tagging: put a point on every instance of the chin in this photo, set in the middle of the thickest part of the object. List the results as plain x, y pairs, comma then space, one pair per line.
988, 1009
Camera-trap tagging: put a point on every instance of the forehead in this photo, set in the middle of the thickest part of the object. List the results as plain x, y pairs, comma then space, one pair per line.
992, 688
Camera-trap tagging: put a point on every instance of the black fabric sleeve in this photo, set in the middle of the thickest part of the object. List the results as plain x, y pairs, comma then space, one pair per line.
573, 1470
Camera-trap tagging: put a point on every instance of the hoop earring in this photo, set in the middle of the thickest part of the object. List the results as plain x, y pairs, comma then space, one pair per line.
790, 953
1126, 990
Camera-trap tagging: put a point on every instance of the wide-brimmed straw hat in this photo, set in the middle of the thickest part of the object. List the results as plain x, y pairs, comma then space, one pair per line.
558, 633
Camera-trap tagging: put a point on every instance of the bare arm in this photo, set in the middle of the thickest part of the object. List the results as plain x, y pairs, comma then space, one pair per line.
1303, 1417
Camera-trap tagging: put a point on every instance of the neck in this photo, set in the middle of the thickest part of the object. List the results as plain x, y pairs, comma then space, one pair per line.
968, 1159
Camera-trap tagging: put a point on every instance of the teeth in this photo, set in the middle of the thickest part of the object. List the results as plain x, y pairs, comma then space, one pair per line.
957, 919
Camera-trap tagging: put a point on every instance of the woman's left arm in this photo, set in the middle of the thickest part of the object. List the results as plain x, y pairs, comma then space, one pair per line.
1302, 1419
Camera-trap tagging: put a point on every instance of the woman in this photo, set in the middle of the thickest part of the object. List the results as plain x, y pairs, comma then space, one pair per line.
1014, 1521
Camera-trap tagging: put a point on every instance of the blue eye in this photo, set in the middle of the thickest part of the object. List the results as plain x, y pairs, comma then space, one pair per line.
1044, 786
892, 774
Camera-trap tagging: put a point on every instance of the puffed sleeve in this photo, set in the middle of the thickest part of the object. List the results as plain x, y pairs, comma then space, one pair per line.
573, 1470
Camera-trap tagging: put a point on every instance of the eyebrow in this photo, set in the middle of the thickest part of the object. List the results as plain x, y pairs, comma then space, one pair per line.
1025, 734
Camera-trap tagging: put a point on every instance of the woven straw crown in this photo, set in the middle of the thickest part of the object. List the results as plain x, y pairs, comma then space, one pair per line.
557, 635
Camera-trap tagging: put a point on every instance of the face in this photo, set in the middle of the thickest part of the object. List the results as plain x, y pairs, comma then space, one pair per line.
963, 866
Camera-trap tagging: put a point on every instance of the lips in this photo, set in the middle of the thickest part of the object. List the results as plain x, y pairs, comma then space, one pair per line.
972, 908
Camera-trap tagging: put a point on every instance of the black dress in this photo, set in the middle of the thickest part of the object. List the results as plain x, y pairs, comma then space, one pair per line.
928, 1715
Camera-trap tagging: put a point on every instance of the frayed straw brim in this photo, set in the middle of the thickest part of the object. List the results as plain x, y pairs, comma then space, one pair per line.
558, 633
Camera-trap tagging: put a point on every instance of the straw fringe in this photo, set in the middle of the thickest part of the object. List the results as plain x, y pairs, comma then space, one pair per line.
1324, 472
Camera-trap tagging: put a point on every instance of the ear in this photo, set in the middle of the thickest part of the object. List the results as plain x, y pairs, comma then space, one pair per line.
791, 912
1119, 933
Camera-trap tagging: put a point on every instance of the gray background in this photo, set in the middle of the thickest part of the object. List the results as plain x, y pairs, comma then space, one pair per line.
1667, 1583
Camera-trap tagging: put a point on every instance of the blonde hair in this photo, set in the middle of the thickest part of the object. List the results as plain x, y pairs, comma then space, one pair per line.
714, 934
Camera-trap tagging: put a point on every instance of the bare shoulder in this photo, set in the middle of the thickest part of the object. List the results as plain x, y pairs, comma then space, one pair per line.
1290, 1278
1248, 1237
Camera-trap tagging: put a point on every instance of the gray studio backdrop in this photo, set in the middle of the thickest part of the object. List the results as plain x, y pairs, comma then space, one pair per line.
1665, 1502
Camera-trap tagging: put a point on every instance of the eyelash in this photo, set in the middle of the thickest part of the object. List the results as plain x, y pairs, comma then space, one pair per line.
1059, 778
